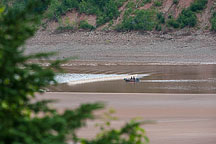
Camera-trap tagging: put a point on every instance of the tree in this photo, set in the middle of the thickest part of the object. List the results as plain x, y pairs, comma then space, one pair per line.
20, 80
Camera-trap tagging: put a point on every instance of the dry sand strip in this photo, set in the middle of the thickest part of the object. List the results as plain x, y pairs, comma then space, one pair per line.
180, 118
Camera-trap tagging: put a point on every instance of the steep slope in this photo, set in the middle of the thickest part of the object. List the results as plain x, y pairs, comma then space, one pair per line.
134, 15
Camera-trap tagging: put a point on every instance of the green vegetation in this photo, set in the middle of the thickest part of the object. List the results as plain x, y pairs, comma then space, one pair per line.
157, 3
173, 23
108, 10
198, 5
64, 28
175, 1
105, 10
24, 121
143, 20
213, 22
188, 16
160, 18
185, 18
140, 3
84, 25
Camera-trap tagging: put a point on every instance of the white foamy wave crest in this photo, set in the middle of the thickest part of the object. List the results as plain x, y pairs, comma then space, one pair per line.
73, 79
83, 78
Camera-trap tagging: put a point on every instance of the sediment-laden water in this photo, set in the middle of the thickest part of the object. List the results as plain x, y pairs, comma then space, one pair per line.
153, 79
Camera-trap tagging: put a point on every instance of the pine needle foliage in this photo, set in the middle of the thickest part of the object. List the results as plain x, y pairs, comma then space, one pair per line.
23, 121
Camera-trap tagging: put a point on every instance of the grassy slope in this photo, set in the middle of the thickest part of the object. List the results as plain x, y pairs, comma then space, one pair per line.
123, 15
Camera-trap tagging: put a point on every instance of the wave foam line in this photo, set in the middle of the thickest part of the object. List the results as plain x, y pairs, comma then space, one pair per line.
111, 78
97, 80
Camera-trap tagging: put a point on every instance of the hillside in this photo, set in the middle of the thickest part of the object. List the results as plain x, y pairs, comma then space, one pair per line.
126, 15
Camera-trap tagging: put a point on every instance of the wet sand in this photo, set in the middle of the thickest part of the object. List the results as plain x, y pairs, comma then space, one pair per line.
180, 118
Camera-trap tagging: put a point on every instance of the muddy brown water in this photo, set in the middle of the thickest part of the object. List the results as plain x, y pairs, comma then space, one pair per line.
162, 79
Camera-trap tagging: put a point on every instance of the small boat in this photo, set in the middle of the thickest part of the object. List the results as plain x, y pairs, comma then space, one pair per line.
131, 79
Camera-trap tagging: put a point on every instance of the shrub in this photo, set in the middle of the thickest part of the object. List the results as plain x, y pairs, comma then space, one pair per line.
213, 22
54, 11
65, 28
143, 20
161, 18
105, 10
70, 4
131, 4
119, 3
158, 27
187, 18
111, 10
88, 8
198, 5
173, 23
85, 25
175, 1
157, 3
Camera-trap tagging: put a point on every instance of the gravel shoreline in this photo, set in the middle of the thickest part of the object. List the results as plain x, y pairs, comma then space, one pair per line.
114, 47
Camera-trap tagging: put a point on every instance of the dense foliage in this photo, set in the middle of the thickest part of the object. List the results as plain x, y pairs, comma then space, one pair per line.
175, 1
188, 16
24, 121
158, 3
85, 25
105, 10
142, 20
213, 22
198, 5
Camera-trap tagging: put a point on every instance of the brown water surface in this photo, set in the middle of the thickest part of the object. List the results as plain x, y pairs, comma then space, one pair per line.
162, 79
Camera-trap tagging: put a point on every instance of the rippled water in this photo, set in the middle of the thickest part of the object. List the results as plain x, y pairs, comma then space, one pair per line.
154, 79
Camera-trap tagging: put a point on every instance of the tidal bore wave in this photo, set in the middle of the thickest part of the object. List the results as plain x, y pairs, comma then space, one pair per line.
73, 79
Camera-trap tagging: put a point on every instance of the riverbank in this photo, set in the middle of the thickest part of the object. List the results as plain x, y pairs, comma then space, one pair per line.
113, 47
180, 118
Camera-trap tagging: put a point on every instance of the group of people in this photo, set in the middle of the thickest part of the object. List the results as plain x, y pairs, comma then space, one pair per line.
133, 78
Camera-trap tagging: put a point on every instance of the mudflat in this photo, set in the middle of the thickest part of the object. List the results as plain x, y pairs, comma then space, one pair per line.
179, 118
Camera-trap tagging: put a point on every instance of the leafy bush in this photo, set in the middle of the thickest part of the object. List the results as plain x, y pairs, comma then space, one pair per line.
23, 121
198, 5
146, 1
54, 10
187, 18
161, 18
213, 22
119, 3
158, 27
110, 12
173, 23
64, 28
157, 3
105, 10
85, 25
175, 1
143, 20
130, 4
88, 8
